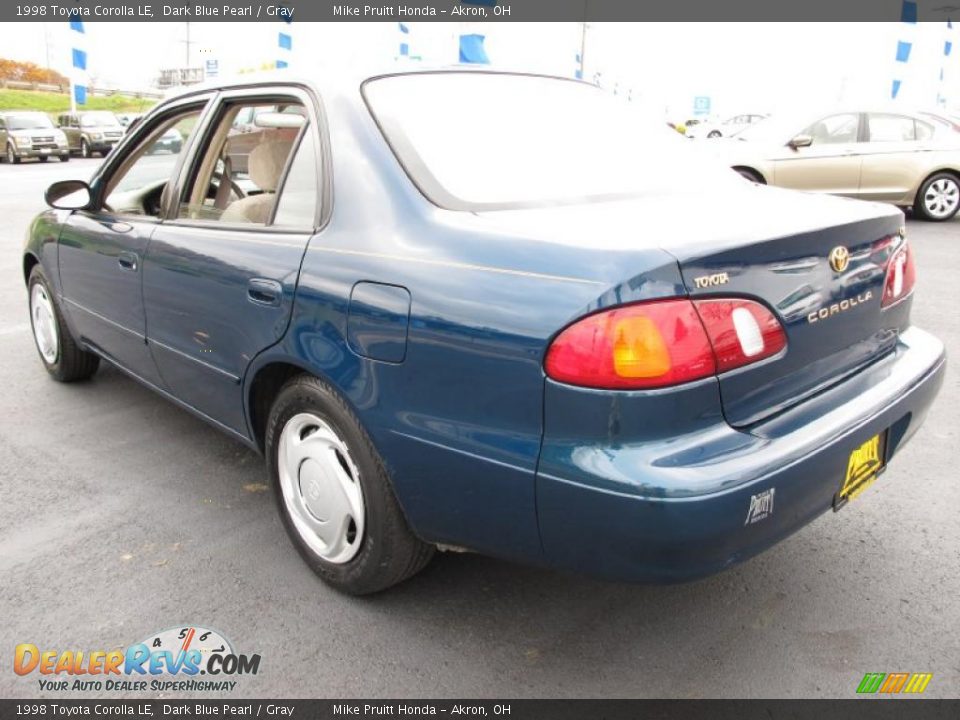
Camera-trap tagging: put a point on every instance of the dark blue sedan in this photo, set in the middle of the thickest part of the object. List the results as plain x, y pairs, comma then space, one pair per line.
493, 312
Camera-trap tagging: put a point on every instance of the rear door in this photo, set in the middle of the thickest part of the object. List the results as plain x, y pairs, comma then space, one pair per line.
221, 271
831, 163
894, 162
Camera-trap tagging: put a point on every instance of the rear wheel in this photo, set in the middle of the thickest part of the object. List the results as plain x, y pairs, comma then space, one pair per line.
12, 156
44, 158
63, 358
714, 134
65, 158
939, 197
334, 494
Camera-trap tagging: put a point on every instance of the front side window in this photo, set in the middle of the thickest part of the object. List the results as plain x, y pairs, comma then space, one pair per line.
136, 187
490, 140
835, 130
240, 170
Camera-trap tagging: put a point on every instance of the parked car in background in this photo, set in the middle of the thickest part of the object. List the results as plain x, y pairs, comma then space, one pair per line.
170, 141
128, 119
94, 131
472, 346
902, 158
26, 134
724, 128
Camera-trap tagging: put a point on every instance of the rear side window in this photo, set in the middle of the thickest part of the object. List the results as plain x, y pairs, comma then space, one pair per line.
247, 154
297, 204
891, 128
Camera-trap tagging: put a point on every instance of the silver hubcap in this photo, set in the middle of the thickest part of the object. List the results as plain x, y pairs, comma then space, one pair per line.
321, 488
942, 197
44, 324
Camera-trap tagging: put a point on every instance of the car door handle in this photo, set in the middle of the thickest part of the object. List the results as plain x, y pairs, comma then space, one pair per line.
264, 292
128, 261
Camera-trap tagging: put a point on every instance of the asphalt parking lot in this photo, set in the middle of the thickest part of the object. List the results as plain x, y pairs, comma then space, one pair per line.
122, 515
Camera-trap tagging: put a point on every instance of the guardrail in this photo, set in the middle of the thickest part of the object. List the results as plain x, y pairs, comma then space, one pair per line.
65, 88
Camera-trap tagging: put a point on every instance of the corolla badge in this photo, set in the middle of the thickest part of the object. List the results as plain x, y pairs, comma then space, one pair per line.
839, 258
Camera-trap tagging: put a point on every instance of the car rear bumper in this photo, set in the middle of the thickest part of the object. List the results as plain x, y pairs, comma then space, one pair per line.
677, 509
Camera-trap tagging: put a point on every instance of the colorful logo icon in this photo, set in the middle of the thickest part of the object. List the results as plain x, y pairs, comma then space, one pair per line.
893, 683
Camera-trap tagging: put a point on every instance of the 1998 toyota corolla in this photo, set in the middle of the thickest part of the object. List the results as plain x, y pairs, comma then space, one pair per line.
482, 310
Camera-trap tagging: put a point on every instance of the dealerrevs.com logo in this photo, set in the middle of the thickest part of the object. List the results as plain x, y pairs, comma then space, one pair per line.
182, 659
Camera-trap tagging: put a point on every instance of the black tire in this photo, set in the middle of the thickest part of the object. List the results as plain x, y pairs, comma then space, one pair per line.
44, 158
389, 552
72, 362
714, 134
85, 149
65, 158
751, 175
920, 208
12, 156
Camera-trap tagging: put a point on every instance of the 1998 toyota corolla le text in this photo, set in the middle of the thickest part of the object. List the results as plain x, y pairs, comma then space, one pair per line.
485, 310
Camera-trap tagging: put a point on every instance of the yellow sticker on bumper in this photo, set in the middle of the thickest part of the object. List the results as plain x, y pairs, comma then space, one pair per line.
863, 466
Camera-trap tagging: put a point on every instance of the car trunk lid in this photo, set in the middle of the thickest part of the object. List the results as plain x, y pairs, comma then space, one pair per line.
823, 278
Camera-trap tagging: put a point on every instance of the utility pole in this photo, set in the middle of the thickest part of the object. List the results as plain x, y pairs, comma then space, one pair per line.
583, 38
187, 43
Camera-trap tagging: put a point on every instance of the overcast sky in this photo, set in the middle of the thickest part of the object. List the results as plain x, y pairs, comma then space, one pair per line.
741, 66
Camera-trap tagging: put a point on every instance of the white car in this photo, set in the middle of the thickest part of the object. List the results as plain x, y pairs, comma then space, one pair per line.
723, 128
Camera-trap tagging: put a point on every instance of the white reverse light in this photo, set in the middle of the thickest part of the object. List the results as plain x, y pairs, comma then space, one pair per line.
748, 332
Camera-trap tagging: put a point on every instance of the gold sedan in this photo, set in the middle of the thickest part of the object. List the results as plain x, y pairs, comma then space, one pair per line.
901, 158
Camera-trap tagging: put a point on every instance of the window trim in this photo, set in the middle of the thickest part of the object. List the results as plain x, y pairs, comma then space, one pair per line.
266, 93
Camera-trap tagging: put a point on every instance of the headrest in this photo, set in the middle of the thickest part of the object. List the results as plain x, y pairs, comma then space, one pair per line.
266, 163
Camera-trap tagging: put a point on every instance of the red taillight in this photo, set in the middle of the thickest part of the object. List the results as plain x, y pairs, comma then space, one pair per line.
636, 346
901, 276
662, 343
741, 331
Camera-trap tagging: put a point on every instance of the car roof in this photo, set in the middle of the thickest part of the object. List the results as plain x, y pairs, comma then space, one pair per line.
343, 82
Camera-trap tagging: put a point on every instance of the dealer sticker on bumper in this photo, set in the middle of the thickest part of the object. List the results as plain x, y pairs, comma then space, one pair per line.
863, 467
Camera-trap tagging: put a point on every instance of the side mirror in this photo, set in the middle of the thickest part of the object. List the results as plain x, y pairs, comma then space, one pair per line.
801, 141
68, 195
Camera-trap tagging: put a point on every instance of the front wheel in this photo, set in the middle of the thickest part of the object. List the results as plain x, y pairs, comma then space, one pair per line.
939, 197
85, 149
714, 134
12, 156
62, 357
65, 158
334, 494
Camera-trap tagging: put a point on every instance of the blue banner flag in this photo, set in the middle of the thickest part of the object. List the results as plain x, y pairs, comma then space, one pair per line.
79, 59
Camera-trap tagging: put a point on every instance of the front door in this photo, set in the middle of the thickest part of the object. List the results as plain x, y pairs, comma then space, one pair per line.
831, 163
220, 273
101, 251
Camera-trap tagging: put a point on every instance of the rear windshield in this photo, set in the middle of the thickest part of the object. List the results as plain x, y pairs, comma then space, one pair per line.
29, 121
98, 119
489, 141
